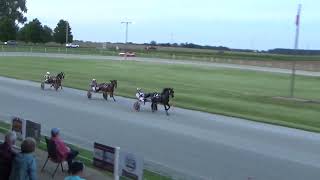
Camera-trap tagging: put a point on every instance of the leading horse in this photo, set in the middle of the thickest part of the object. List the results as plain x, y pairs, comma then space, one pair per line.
162, 98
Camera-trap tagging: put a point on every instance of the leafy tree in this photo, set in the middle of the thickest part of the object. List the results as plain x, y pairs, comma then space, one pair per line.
59, 34
23, 33
46, 34
153, 43
11, 11
34, 32
8, 29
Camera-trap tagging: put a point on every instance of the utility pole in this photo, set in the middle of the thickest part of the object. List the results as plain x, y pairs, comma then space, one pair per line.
296, 46
67, 32
127, 26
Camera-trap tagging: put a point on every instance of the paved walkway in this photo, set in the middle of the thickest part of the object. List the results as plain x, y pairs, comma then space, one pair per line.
89, 173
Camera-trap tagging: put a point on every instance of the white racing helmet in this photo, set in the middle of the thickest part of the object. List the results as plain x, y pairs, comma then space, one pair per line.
48, 73
94, 80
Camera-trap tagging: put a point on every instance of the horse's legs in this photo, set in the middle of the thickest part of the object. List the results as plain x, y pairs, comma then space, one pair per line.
165, 108
111, 94
153, 106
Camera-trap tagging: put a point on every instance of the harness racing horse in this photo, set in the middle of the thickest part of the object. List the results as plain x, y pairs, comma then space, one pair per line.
105, 88
162, 98
57, 81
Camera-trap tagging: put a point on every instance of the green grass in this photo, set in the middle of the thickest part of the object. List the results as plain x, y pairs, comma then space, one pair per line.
238, 93
84, 156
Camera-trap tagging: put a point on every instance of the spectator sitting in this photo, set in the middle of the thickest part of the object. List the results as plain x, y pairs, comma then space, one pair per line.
24, 164
7, 155
76, 171
63, 152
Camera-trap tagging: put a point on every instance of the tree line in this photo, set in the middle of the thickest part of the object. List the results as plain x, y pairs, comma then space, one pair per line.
35, 32
12, 14
188, 45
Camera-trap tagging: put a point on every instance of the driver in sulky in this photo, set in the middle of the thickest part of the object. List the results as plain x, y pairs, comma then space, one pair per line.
94, 85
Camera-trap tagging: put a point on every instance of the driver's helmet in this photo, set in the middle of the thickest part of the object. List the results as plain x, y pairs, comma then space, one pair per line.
94, 80
48, 73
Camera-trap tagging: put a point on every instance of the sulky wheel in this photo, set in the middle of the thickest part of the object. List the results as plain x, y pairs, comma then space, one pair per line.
89, 95
136, 106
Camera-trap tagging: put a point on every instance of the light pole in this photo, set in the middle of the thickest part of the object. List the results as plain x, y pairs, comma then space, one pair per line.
127, 26
296, 45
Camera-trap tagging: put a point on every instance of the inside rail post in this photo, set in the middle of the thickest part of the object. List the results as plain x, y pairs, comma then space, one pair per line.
116, 164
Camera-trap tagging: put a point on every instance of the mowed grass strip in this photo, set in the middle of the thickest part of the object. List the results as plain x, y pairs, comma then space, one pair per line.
245, 94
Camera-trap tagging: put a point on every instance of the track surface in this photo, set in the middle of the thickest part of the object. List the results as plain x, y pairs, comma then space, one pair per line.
204, 145
167, 61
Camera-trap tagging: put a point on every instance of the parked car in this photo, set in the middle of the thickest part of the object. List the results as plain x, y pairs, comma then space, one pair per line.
11, 42
70, 45
127, 54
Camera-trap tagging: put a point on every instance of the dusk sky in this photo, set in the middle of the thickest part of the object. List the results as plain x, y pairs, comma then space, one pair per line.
254, 24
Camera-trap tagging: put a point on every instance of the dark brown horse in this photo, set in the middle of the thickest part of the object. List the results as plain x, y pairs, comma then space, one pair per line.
106, 89
57, 81
162, 98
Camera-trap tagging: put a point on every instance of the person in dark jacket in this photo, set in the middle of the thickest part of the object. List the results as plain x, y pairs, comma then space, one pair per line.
6, 155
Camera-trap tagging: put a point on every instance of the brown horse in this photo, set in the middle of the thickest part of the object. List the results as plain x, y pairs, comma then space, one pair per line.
57, 81
105, 88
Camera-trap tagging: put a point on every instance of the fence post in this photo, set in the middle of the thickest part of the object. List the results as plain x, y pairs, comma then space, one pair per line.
2, 48
31, 49
116, 164
66, 50
45, 50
